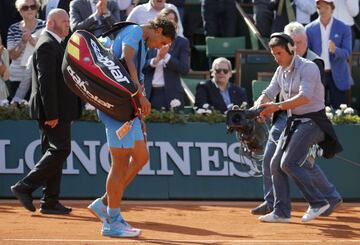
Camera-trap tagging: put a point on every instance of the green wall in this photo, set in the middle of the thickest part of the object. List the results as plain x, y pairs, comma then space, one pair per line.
187, 161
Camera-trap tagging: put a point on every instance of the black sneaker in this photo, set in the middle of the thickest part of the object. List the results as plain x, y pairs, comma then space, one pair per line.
57, 208
262, 209
24, 197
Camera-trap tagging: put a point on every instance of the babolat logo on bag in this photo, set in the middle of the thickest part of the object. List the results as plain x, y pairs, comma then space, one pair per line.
114, 70
94, 74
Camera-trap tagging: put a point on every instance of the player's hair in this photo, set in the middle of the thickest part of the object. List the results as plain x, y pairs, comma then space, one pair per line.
168, 29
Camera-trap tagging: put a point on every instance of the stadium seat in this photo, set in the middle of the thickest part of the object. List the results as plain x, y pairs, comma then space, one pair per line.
257, 88
224, 46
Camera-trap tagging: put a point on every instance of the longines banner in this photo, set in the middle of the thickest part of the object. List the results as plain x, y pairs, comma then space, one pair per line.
187, 161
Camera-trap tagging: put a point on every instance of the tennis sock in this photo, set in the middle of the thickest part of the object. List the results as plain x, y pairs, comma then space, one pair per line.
113, 213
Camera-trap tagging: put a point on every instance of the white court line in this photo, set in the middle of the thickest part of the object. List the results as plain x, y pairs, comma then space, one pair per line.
121, 240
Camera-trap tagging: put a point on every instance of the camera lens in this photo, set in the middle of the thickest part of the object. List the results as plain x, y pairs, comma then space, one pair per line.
236, 119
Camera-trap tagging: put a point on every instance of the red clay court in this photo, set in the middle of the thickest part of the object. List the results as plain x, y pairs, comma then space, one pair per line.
177, 223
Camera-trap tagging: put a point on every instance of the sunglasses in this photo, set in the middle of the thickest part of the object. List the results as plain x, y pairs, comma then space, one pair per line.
26, 7
218, 71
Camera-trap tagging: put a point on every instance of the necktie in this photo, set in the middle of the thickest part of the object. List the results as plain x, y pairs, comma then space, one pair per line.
290, 11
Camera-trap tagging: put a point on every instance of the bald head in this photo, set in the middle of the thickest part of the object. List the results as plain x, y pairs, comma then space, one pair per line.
58, 22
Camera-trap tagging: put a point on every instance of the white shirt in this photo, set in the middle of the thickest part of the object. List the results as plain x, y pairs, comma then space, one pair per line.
158, 79
304, 9
141, 14
325, 37
345, 10
123, 4
56, 36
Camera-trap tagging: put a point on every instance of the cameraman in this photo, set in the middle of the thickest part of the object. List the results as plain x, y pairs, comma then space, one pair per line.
298, 34
298, 82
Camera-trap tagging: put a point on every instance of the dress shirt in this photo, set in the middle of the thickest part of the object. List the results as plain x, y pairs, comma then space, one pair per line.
346, 10
325, 37
158, 79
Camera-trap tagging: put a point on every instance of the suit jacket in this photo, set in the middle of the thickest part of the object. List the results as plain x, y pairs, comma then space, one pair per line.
63, 4
80, 12
340, 34
50, 97
177, 66
208, 92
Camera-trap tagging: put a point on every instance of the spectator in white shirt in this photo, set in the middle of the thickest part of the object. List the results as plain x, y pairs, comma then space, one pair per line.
142, 13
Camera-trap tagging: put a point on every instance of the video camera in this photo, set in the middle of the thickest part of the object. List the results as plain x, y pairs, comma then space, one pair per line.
252, 134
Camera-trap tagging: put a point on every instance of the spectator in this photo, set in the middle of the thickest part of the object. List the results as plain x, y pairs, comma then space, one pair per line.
180, 5
263, 17
4, 73
298, 34
218, 92
164, 67
94, 16
48, 5
287, 11
142, 13
345, 11
21, 40
298, 82
330, 38
54, 106
219, 17
125, 7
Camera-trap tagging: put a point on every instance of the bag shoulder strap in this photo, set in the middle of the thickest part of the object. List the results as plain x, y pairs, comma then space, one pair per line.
117, 27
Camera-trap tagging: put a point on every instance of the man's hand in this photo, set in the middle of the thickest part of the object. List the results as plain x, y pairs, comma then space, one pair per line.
145, 106
332, 47
52, 123
163, 51
268, 109
101, 7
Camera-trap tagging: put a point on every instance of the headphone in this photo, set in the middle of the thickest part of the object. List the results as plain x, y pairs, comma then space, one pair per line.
289, 42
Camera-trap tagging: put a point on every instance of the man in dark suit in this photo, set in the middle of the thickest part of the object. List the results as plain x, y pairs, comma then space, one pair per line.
54, 106
173, 60
48, 5
218, 92
95, 16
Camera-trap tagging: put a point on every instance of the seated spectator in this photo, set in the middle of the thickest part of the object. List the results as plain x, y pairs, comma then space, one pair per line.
142, 13
219, 18
164, 67
218, 92
330, 38
21, 41
4, 73
180, 5
94, 16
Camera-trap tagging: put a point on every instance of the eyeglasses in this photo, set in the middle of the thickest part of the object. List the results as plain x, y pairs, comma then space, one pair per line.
218, 71
27, 7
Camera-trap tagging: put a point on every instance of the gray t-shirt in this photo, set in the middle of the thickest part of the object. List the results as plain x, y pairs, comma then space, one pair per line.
304, 79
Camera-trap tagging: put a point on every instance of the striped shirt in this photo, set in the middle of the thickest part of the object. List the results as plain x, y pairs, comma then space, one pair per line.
18, 72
